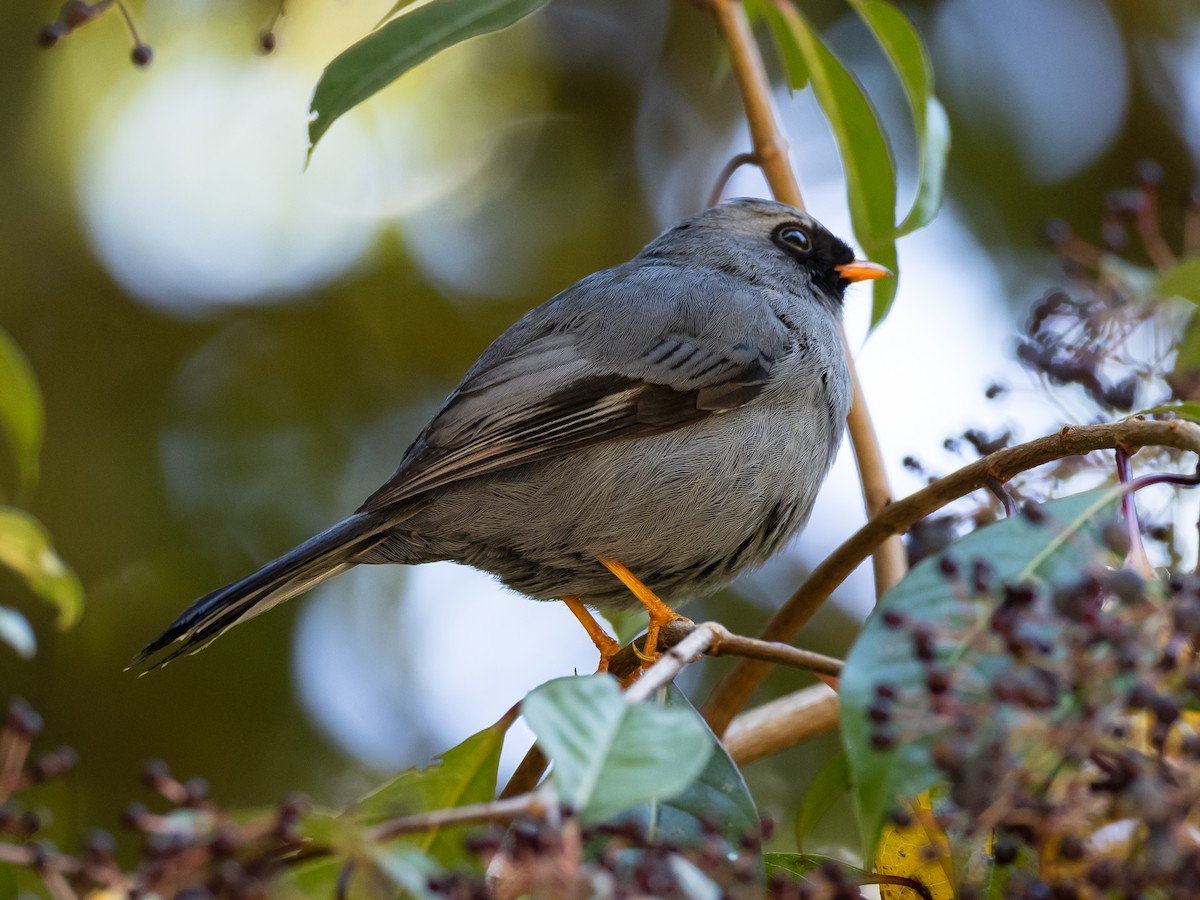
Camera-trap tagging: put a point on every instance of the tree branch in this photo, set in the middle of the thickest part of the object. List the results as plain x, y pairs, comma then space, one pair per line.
503, 810
732, 694
770, 152
770, 145
781, 723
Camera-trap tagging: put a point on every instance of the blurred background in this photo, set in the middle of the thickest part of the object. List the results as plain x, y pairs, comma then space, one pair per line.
234, 351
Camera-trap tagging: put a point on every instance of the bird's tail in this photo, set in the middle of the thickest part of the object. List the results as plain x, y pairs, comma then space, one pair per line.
332, 551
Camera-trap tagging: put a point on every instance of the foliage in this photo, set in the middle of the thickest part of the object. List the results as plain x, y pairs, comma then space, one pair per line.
25, 547
1015, 715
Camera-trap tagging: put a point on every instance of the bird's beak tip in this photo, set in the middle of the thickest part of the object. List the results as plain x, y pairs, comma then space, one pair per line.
862, 270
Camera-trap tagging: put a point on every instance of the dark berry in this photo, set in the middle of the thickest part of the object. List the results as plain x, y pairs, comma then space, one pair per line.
49, 35
1004, 851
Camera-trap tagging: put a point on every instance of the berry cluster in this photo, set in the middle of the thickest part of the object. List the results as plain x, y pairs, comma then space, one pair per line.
1104, 338
192, 850
1060, 731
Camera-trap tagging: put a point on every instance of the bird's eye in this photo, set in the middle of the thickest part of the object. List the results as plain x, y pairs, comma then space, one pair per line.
794, 238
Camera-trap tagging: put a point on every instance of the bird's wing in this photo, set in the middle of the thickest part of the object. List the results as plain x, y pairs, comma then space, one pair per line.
636, 350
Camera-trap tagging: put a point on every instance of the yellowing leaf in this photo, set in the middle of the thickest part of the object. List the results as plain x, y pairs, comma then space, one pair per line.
25, 548
919, 851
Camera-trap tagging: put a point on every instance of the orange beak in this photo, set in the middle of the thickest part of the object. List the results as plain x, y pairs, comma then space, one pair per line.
862, 270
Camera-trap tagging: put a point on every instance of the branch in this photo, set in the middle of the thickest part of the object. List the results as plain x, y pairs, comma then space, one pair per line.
770, 146
732, 694
503, 810
770, 152
726, 643
671, 662
781, 723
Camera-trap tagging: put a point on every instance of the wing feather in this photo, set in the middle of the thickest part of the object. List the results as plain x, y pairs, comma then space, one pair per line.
555, 383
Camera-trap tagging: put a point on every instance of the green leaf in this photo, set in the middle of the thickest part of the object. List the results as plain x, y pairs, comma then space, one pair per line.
903, 48
795, 69
1054, 551
21, 416
608, 754
17, 633
1181, 280
402, 43
830, 783
466, 774
717, 795
25, 548
1185, 409
397, 7
870, 178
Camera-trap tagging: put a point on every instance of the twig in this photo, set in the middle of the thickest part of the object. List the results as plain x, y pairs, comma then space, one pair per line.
535, 804
770, 146
781, 723
741, 159
727, 644
1136, 559
1149, 230
1001, 493
730, 644
529, 772
732, 694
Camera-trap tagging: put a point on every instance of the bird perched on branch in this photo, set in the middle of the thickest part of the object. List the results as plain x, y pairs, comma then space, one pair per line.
651, 431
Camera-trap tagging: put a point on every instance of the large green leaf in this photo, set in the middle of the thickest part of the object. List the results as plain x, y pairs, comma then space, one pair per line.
465, 774
717, 795
610, 755
21, 417
870, 177
903, 47
1056, 550
795, 69
26, 549
400, 44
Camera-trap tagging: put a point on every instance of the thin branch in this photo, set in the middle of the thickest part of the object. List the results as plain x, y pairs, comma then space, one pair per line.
732, 694
770, 146
534, 804
781, 723
1006, 499
626, 662
770, 151
730, 644
1136, 559
529, 772
741, 159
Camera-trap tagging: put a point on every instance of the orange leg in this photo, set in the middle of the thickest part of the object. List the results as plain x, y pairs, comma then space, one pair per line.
605, 644
660, 613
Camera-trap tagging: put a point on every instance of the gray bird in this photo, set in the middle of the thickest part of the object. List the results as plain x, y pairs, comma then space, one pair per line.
670, 419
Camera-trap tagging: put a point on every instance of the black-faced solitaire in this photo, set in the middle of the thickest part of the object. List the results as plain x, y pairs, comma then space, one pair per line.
665, 423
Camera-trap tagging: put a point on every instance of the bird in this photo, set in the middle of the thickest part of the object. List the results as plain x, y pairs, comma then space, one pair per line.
650, 432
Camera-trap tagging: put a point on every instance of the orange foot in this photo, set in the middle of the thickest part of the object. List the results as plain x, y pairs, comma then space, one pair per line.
660, 613
606, 645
